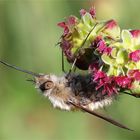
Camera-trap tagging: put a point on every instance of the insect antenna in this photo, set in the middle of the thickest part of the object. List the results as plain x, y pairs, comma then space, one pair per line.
19, 69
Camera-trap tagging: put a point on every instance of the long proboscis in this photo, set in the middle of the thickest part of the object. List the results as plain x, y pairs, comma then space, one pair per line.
108, 119
20, 69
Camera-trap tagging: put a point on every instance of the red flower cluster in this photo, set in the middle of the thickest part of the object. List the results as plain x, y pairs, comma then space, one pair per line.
64, 26
111, 84
111, 24
135, 33
92, 42
102, 48
91, 11
135, 74
105, 83
71, 21
135, 56
66, 46
123, 81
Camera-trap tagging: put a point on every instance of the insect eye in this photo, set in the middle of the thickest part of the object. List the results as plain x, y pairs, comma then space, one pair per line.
47, 85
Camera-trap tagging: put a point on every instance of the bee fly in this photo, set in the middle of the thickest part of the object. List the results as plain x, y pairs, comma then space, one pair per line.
73, 92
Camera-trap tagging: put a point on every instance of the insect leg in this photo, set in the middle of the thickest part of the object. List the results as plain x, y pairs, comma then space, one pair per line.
62, 63
132, 94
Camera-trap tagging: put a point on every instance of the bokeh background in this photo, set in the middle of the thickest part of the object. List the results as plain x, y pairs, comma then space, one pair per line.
28, 34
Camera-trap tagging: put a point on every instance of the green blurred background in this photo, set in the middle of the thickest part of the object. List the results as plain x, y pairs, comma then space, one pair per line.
28, 34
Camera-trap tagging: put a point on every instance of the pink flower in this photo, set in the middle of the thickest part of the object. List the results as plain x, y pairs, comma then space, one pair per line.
135, 33
123, 81
135, 56
66, 46
92, 12
111, 24
109, 88
104, 83
64, 26
108, 50
71, 21
83, 12
103, 48
99, 75
134, 74
111, 29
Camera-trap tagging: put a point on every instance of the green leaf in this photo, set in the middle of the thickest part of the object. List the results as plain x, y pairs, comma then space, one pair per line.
117, 45
99, 27
138, 64
114, 52
127, 38
112, 71
106, 59
122, 57
87, 19
113, 32
137, 47
130, 65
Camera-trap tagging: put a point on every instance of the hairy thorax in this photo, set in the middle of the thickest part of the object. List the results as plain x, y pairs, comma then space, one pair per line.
78, 89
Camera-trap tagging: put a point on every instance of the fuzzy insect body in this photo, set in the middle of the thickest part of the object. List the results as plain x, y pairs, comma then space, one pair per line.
77, 88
